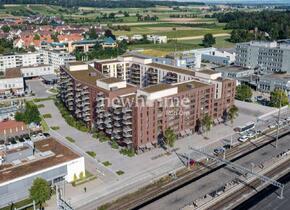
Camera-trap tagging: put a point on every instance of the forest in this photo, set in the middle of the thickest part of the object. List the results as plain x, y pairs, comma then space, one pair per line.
275, 24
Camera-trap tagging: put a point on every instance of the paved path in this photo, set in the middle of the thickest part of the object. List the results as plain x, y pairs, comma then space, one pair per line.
199, 37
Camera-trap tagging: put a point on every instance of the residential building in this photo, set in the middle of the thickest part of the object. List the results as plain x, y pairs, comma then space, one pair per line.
156, 39
109, 42
266, 56
24, 160
121, 38
136, 37
23, 59
36, 70
55, 58
124, 98
12, 82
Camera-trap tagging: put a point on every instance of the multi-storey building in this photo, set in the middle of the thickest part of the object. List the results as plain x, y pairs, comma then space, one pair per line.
134, 100
268, 56
55, 58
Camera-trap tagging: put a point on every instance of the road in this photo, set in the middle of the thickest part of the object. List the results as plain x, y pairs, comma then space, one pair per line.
267, 198
213, 181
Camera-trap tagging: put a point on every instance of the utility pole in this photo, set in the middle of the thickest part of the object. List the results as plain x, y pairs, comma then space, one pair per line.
278, 124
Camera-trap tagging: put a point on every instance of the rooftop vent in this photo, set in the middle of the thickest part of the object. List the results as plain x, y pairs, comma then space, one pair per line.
93, 74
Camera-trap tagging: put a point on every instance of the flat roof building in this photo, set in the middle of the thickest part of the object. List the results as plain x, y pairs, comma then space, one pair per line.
133, 100
45, 158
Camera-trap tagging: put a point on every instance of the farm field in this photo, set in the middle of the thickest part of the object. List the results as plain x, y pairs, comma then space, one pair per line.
164, 49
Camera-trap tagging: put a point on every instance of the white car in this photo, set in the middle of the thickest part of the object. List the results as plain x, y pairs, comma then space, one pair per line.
243, 138
251, 134
272, 126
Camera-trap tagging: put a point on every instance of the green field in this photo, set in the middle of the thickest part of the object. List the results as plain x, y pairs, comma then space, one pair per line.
164, 49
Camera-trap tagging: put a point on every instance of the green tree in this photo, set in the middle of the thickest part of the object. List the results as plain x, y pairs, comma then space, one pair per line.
40, 191
233, 113
208, 40
170, 137
278, 97
207, 122
5, 28
244, 93
30, 114
36, 37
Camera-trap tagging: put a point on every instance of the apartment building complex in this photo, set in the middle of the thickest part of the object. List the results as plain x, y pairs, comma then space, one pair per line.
55, 58
268, 56
134, 100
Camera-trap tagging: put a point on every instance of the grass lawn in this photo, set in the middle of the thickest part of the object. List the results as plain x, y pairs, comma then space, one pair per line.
70, 139
180, 45
107, 163
44, 125
20, 204
40, 106
120, 172
91, 153
55, 128
47, 116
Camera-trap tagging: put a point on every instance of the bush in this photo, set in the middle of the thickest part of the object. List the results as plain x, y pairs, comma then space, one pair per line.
127, 152
120, 172
70, 139
70, 120
114, 145
91, 153
47, 116
40, 106
107, 163
54, 128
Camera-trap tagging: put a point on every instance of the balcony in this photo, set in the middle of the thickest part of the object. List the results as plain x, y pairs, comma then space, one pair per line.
117, 124
117, 118
125, 110
87, 119
100, 127
108, 125
99, 122
127, 135
127, 122
127, 129
127, 117
108, 131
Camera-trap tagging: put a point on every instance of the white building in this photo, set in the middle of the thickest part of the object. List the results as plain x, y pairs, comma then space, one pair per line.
136, 37
16, 60
157, 39
220, 57
12, 83
51, 161
36, 70
267, 56
55, 58
121, 38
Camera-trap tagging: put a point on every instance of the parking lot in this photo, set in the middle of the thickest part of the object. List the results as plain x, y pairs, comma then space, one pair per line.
38, 88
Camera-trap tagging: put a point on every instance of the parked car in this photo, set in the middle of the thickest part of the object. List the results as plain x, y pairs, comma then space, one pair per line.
227, 146
219, 150
243, 138
251, 134
272, 126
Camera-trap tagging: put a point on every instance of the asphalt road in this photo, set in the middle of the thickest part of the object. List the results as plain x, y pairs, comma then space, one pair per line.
213, 181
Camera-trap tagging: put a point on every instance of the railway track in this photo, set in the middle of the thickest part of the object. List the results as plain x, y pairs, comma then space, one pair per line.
235, 199
156, 192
